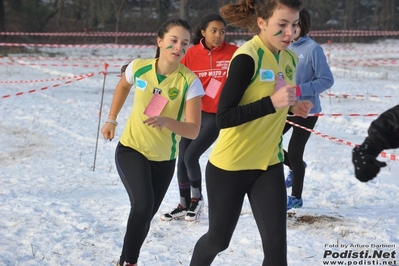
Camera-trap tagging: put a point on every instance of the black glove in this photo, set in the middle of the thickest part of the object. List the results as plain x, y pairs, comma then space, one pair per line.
364, 159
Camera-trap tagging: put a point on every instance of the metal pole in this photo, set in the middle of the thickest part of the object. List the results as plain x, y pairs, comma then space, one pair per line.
99, 115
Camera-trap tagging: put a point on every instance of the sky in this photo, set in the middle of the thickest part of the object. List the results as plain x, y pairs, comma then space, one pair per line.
62, 202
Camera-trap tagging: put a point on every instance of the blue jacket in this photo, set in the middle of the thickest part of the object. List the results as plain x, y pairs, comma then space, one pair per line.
313, 75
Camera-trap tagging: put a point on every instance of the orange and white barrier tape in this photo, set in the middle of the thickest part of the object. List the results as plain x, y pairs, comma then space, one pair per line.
327, 33
90, 46
56, 65
344, 95
337, 115
372, 62
336, 61
64, 58
50, 79
391, 157
48, 87
38, 80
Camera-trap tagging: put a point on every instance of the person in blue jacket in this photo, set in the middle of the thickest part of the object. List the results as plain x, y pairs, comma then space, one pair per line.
313, 76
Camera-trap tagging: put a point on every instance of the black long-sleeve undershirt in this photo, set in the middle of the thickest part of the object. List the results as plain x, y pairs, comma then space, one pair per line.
230, 113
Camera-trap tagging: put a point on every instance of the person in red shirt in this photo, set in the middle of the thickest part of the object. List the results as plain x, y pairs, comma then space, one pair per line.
209, 59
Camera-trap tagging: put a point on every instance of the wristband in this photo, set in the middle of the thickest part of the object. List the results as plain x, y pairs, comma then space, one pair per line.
298, 91
112, 121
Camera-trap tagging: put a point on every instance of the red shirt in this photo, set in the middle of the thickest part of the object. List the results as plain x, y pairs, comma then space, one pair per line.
207, 65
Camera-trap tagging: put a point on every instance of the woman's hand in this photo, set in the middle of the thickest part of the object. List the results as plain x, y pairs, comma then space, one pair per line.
108, 131
157, 121
301, 108
283, 97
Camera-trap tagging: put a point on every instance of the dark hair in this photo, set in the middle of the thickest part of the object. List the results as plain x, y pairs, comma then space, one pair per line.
305, 22
204, 24
244, 13
165, 27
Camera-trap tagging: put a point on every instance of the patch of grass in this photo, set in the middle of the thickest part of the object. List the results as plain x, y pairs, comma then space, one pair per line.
311, 219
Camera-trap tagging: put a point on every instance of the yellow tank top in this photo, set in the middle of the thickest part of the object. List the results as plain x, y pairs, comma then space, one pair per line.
154, 144
258, 143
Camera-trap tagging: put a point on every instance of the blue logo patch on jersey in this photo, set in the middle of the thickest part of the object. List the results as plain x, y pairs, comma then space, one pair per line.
266, 75
141, 84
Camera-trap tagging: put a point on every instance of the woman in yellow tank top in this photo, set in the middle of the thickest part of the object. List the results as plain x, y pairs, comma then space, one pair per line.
247, 157
167, 105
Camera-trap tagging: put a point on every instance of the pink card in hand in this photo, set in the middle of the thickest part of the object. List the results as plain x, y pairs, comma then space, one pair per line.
280, 81
213, 88
156, 105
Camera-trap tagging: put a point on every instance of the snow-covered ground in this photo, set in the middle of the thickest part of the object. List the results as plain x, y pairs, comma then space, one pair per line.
56, 209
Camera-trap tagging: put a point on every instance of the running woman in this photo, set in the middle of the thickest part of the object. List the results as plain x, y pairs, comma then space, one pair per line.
208, 59
313, 76
167, 105
258, 93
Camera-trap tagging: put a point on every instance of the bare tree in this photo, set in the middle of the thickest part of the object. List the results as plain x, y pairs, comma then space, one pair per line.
388, 9
59, 4
375, 18
163, 10
117, 16
92, 14
347, 23
52, 10
2, 17
148, 15
183, 9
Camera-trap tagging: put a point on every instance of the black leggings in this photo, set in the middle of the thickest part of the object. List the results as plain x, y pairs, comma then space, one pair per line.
188, 167
293, 158
146, 183
268, 198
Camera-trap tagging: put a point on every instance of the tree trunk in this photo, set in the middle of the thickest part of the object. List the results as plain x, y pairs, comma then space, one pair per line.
3, 38
118, 11
347, 24
163, 7
214, 6
183, 9
46, 19
2, 17
375, 18
16, 4
91, 15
